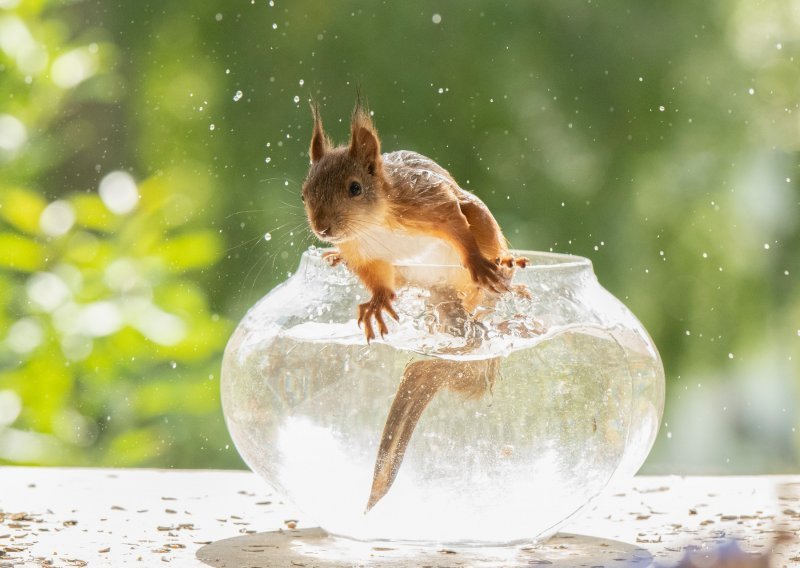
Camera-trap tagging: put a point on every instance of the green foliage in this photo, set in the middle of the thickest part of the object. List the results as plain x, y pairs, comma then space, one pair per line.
111, 348
660, 140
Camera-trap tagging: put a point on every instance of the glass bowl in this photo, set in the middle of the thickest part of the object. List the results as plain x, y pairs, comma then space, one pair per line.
532, 404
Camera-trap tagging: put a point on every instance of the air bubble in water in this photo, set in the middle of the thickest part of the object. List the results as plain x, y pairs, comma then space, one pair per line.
237, 96
267, 236
211, 127
301, 82
437, 19
296, 99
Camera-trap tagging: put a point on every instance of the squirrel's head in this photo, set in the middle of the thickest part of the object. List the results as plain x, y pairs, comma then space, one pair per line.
344, 192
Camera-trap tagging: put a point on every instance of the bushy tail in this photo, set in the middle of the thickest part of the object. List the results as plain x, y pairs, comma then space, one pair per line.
420, 383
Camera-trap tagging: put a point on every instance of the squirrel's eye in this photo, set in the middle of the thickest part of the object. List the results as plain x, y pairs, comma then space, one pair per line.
355, 189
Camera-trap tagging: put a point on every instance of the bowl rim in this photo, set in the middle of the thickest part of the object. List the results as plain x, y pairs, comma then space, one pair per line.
555, 260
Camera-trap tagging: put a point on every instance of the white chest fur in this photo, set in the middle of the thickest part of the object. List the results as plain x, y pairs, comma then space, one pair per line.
398, 246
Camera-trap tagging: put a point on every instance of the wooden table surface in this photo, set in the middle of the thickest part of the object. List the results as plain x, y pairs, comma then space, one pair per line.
121, 517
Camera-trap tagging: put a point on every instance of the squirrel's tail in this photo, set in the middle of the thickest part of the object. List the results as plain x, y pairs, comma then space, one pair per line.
420, 383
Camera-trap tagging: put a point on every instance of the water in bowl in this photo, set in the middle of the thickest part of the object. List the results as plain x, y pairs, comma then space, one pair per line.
548, 432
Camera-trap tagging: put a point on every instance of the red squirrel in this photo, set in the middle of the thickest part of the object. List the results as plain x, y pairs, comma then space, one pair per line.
382, 209
397, 207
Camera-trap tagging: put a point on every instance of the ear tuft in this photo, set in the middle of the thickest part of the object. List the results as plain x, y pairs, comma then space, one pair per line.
365, 146
320, 143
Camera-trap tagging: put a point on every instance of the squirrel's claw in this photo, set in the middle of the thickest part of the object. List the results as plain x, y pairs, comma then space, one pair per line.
381, 301
512, 261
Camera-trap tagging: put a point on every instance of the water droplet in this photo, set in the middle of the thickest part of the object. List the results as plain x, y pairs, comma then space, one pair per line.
766, 246
730, 355
441, 90
778, 46
274, 26
662, 108
301, 82
173, 364
267, 160
669, 435
218, 17
296, 99
267, 236
237, 96
436, 19
211, 127
751, 90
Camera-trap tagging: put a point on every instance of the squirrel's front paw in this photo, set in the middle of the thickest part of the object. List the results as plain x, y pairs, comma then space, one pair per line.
332, 257
487, 274
381, 301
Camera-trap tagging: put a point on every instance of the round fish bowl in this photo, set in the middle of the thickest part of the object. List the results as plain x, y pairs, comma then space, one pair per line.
508, 418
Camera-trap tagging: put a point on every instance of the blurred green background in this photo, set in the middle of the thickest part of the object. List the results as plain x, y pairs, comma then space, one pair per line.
147, 149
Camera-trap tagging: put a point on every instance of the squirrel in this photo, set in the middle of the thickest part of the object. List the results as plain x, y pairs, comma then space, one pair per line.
399, 207
378, 210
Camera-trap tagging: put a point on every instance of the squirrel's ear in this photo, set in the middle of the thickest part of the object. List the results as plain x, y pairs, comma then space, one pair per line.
364, 143
320, 144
